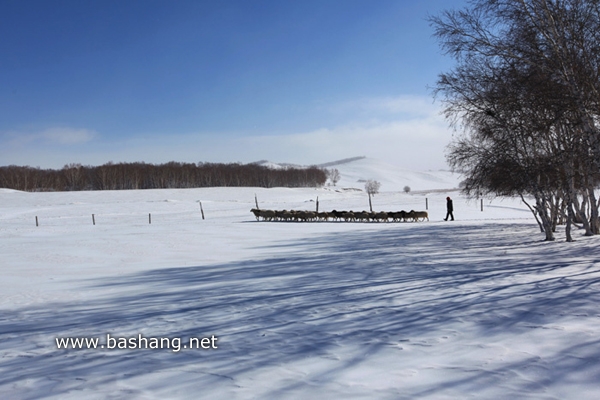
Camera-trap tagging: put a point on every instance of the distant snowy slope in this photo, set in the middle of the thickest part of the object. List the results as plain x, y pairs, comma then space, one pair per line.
392, 178
273, 165
355, 171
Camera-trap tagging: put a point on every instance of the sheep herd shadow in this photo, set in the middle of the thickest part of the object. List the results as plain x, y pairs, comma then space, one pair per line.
342, 297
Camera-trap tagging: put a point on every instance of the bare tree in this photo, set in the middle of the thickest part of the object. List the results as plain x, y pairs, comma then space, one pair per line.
526, 92
372, 187
73, 175
334, 176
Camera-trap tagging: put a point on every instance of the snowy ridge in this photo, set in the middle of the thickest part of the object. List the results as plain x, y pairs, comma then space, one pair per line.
340, 162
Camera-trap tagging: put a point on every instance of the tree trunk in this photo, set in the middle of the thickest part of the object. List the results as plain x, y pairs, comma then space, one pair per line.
594, 218
568, 226
534, 212
581, 215
542, 209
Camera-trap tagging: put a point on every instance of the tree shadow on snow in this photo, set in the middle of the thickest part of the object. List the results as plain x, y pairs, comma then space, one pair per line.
342, 299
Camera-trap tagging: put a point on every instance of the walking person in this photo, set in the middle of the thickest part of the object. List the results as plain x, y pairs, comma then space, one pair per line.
449, 209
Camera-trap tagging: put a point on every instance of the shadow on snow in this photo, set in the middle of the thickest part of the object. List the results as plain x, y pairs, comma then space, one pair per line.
342, 298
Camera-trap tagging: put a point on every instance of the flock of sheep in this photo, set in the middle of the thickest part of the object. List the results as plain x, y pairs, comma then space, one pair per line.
349, 216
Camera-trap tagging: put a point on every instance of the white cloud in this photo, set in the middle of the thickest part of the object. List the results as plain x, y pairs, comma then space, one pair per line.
415, 144
407, 131
412, 135
67, 136
52, 136
406, 106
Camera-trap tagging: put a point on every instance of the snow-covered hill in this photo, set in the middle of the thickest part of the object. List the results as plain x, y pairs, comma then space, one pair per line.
392, 178
356, 170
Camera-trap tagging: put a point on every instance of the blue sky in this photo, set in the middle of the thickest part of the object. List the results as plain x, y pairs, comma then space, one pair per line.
220, 81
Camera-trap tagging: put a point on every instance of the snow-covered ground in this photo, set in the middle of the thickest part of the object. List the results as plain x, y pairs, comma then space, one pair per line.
477, 308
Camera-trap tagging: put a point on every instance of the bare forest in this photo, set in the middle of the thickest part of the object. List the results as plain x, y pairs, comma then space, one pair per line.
150, 176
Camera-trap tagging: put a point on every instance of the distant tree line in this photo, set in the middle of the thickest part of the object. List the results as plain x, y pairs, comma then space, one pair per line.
526, 92
151, 176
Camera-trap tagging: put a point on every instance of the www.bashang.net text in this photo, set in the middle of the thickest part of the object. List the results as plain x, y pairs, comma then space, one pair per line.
137, 342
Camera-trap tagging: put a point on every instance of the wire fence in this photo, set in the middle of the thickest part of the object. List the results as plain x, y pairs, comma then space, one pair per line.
100, 219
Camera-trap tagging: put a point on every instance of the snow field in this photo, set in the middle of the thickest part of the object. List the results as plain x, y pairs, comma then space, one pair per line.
475, 308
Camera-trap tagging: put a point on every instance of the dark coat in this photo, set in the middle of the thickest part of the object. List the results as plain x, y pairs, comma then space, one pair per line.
449, 206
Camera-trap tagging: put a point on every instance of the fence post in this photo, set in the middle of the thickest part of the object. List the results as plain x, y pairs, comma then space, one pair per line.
201, 210
317, 204
93, 219
149, 218
481, 204
36, 221
426, 204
